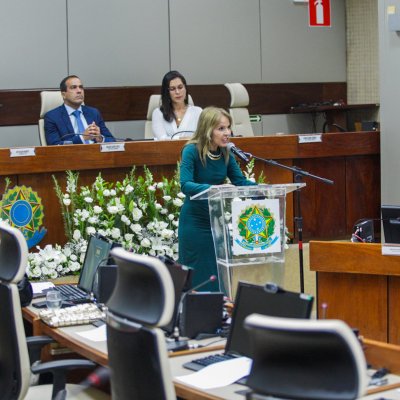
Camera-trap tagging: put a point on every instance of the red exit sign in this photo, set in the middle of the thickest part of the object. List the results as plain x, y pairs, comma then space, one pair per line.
319, 12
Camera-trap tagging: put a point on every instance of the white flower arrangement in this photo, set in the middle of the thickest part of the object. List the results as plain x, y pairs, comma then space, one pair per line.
138, 212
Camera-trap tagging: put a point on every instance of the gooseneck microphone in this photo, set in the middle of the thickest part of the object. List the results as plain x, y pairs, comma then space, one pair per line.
237, 152
179, 132
71, 135
175, 333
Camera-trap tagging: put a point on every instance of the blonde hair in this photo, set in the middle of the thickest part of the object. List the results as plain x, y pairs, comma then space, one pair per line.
209, 118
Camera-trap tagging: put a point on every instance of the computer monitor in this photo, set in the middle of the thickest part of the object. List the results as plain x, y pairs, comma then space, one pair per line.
97, 252
251, 299
181, 278
391, 223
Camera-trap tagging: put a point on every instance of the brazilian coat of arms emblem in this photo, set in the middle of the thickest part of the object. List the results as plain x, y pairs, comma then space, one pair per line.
23, 208
256, 227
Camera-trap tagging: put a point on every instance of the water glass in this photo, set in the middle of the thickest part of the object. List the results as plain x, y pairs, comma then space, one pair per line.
54, 300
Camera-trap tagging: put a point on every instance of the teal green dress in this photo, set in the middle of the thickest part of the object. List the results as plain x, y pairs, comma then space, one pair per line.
196, 246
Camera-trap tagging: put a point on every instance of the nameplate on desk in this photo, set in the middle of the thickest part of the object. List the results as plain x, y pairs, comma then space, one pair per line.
310, 138
22, 152
391, 249
110, 147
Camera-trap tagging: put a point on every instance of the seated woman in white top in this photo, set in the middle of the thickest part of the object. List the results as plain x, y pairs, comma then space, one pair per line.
175, 118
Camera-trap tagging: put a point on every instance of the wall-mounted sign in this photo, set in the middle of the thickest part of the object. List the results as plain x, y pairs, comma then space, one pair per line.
319, 12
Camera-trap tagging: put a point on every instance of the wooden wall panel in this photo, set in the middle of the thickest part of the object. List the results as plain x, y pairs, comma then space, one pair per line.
22, 107
363, 175
357, 300
324, 206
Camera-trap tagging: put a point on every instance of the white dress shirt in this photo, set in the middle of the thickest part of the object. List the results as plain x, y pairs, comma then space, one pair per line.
163, 130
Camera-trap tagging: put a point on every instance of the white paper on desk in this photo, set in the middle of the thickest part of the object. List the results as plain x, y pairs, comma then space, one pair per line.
96, 335
220, 374
38, 287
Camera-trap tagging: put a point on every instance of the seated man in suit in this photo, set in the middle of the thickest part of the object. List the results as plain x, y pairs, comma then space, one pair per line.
73, 122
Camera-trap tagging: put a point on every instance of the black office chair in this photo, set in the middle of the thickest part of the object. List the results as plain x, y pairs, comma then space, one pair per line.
305, 359
142, 301
15, 370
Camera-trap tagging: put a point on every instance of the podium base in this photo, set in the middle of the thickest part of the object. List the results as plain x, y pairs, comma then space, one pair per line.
229, 275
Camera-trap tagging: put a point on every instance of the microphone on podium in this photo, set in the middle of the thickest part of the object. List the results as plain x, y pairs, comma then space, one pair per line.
237, 152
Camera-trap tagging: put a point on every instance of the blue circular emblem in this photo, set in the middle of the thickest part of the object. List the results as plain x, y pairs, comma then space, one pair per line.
256, 224
21, 213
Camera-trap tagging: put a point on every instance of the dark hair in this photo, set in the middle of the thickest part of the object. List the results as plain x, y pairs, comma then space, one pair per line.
166, 103
63, 84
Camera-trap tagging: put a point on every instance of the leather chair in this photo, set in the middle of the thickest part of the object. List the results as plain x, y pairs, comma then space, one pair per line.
305, 359
49, 101
154, 102
241, 125
15, 358
142, 301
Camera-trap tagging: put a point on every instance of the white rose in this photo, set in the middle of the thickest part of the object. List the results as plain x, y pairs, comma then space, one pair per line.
167, 233
106, 193
145, 242
181, 195
125, 220
171, 217
128, 237
112, 209
113, 192
177, 202
136, 228
137, 214
160, 185
128, 189
73, 257
115, 233
77, 235
93, 220
85, 215
158, 206
97, 209
67, 202
164, 211
167, 198
90, 230
151, 189
88, 200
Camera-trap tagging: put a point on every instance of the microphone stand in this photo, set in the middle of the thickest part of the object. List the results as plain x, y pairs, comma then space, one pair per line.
298, 174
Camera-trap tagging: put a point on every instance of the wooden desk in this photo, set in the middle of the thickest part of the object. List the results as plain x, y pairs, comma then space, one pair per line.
350, 159
360, 286
377, 353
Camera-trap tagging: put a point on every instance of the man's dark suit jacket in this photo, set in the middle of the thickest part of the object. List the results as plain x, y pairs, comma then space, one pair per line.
58, 127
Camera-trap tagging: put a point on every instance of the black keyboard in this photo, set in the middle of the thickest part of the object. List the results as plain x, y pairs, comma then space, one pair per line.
73, 294
202, 362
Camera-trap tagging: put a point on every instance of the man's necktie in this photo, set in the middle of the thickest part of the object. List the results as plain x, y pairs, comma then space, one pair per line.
81, 128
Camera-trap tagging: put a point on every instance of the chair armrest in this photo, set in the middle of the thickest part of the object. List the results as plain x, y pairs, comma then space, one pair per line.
35, 345
58, 369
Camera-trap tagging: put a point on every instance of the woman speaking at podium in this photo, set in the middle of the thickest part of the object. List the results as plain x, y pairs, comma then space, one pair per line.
205, 162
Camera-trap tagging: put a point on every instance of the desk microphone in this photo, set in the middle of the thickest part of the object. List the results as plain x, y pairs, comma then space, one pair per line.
71, 135
179, 132
175, 333
237, 152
